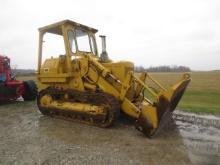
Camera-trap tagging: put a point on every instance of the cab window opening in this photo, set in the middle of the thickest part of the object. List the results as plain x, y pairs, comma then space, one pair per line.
53, 46
82, 38
92, 43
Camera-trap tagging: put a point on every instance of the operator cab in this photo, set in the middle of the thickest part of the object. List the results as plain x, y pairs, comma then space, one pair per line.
80, 38
73, 41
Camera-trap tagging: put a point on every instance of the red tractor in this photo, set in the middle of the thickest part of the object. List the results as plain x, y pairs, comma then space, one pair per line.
10, 88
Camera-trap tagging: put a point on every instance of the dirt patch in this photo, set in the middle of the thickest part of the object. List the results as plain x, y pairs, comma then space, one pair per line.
27, 137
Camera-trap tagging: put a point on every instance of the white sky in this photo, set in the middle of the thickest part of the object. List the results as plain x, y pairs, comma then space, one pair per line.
149, 33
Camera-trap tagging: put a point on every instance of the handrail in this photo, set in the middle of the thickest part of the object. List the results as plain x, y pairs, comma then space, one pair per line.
156, 82
145, 86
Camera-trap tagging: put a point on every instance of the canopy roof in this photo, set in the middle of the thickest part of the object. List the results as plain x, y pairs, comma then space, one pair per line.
56, 27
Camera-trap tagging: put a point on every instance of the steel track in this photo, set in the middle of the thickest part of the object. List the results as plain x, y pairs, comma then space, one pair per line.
111, 104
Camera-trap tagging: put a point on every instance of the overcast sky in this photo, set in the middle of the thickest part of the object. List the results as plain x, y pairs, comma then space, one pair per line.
149, 33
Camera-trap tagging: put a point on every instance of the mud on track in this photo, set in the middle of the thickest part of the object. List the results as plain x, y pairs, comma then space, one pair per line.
27, 137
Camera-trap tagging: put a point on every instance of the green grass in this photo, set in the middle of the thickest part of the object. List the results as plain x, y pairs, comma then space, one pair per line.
201, 96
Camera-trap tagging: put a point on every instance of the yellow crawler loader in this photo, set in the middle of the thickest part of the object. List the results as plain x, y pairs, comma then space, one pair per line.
83, 86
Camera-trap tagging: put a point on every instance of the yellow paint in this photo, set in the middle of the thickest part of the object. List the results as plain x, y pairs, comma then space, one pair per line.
83, 71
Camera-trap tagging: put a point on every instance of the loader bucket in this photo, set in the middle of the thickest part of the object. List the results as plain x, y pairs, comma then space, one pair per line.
163, 108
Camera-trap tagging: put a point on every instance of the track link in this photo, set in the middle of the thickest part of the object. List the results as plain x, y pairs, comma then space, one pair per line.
111, 104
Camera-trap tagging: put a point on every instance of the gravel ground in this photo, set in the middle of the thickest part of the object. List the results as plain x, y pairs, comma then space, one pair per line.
27, 137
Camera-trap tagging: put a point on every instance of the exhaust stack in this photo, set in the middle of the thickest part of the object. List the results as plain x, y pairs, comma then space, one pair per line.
104, 54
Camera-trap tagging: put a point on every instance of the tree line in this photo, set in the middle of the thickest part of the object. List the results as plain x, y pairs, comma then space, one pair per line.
23, 72
164, 68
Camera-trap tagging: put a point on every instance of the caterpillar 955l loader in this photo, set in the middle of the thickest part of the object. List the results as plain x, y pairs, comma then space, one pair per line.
84, 87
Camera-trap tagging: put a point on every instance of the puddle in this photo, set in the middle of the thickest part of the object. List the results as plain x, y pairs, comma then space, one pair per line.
201, 135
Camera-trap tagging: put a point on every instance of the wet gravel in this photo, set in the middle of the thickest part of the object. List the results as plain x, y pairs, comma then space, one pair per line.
201, 135
27, 137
